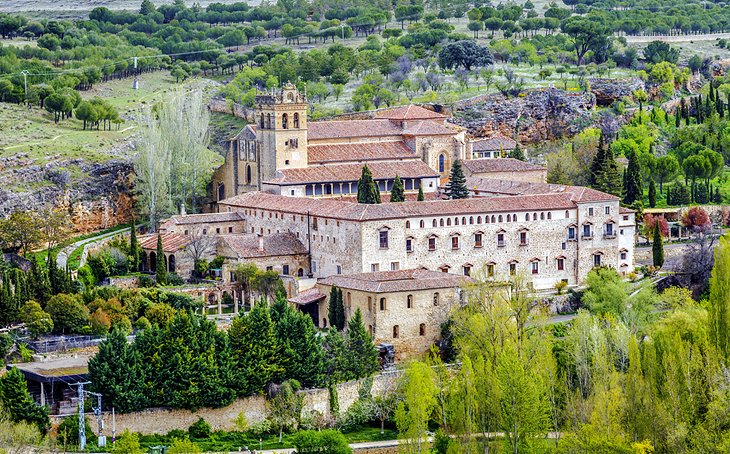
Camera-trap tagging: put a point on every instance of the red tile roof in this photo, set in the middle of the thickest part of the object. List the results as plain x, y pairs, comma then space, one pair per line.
204, 218
308, 296
397, 281
368, 151
409, 112
491, 186
352, 172
277, 244
428, 128
341, 209
493, 143
340, 129
171, 242
488, 165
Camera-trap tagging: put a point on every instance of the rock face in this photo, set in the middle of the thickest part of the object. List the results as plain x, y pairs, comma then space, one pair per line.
534, 115
97, 195
607, 91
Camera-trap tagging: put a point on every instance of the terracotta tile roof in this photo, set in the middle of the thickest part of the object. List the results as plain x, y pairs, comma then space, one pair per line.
397, 281
277, 244
624, 210
472, 166
493, 143
308, 296
339, 129
341, 209
203, 218
368, 151
171, 242
491, 186
409, 112
352, 172
428, 128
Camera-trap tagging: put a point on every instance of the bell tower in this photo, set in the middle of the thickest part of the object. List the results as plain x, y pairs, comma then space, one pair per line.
281, 130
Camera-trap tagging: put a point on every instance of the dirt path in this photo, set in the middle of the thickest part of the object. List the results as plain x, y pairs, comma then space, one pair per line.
63, 254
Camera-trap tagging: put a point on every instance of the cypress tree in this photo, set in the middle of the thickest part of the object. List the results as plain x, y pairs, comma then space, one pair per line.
456, 186
160, 270
336, 309
517, 153
397, 193
367, 190
361, 355
341, 320
598, 162
633, 184
133, 248
677, 118
652, 194
420, 197
657, 246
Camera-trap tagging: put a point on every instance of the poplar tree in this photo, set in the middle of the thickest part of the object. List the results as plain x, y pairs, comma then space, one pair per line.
719, 301
397, 192
362, 357
657, 246
134, 251
456, 186
367, 190
160, 270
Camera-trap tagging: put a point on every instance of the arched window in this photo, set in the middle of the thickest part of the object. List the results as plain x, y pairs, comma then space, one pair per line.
262, 121
436, 299
284, 121
268, 121
456, 221
542, 216
408, 224
493, 221
479, 219
509, 218
550, 215
442, 163
534, 216
248, 174
463, 221
422, 224
409, 301
567, 214
300, 272
434, 223
153, 261
471, 220
527, 216
448, 221
171, 263
221, 191
296, 120
499, 219
441, 222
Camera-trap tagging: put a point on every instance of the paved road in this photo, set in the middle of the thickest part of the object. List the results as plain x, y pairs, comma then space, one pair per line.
63, 254
672, 261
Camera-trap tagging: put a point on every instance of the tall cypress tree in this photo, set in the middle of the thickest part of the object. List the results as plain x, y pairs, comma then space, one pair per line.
456, 186
367, 190
420, 197
336, 309
598, 162
633, 184
397, 192
652, 193
160, 270
134, 252
361, 355
657, 246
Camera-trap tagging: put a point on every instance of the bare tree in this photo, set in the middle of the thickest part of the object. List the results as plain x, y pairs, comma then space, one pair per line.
698, 261
200, 245
54, 226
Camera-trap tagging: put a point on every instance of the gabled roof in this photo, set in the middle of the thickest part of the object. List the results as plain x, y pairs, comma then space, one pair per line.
428, 128
246, 246
397, 281
493, 143
340, 129
410, 112
308, 296
354, 152
171, 242
487, 165
491, 186
203, 218
352, 172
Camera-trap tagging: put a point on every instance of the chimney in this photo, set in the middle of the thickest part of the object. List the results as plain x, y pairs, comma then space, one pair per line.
261, 242
182, 209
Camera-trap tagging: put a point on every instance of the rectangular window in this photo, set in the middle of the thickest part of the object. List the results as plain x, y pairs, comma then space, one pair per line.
396, 331
587, 230
454, 242
500, 240
590, 211
597, 260
608, 210
432, 244
394, 266
561, 264
230, 229
571, 233
467, 270
626, 218
490, 270
523, 238
374, 267
285, 270
314, 267
339, 269
535, 267
477, 240
623, 256
314, 223
422, 329
512, 269
409, 245
609, 229
383, 234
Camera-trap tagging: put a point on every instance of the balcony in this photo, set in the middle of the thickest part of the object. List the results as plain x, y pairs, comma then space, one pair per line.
609, 235
586, 236
501, 243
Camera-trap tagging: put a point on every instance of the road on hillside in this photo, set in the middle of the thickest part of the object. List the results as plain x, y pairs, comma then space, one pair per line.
639, 39
63, 254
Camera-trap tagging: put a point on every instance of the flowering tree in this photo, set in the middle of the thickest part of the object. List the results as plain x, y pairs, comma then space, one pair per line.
696, 219
650, 220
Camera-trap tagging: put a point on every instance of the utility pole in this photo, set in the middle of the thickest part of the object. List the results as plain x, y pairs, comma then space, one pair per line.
342, 27
25, 83
82, 418
97, 412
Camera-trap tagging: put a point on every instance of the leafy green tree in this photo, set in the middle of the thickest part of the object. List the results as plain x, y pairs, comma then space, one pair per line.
128, 443
160, 269
336, 309
397, 192
517, 153
18, 402
117, 374
367, 189
587, 33
361, 355
605, 174
253, 341
37, 321
68, 313
456, 186
606, 292
413, 412
657, 246
659, 51
285, 406
302, 356
719, 300
183, 446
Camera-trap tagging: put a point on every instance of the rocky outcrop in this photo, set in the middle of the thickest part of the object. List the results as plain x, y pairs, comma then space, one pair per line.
534, 115
97, 195
607, 91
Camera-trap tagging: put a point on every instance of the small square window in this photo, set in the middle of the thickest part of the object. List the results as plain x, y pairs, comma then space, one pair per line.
374, 267
230, 229
394, 266
285, 270
623, 256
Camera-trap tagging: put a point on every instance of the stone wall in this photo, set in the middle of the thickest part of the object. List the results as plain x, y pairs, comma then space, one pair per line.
163, 420
220, 105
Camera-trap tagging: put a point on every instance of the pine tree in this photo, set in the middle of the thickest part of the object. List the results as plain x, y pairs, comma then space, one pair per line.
361, 355
420, 197
657, 246
517, 153
335, 363
719, 300
134, 251
301, 349
397, 192
367, 190
254, 346
160, 270
652, 194
633, 184
456, 186
18, 403
117, 374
